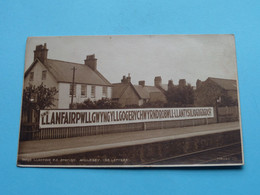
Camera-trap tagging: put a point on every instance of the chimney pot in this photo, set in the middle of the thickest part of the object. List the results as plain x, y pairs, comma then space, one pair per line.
128, 78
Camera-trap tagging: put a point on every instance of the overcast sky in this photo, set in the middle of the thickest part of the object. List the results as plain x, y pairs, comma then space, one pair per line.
175, 57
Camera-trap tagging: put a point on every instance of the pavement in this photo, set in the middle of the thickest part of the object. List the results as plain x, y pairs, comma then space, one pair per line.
55, 147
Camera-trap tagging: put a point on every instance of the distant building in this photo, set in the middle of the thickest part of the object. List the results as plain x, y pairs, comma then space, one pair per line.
89, 82
125, 93
155, 92
158, 84
223, 91
128, 94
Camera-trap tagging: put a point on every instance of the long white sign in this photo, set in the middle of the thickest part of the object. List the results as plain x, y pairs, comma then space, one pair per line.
95, 117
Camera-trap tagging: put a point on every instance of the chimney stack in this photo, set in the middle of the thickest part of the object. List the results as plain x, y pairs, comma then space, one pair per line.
142, 83
126, 79
123, 80
182, 82
198, 83
170, 84
158, 81
91, 61
41, 53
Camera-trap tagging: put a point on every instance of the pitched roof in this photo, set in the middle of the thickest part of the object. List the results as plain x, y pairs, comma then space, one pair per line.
226, 84
83, 74
164, 87
151, 89
142, 92
62, 72
119, 89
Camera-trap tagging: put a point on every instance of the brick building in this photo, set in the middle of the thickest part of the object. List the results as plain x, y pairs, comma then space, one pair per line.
214, 90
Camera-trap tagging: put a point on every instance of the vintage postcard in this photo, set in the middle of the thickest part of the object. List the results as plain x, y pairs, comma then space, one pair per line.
130, 101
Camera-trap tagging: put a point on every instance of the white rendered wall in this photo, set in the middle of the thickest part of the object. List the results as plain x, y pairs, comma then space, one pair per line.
65, 97
37, 79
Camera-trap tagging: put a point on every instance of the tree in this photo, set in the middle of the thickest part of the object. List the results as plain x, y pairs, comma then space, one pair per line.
180, 96
38, 98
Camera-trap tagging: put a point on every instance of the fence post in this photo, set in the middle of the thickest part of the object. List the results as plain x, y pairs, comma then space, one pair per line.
144, 126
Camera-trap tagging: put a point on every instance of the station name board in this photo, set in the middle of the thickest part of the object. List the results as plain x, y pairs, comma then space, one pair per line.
95, 117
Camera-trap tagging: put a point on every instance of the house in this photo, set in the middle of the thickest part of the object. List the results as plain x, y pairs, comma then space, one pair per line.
89, 83
156, 92
216, 90
127, 94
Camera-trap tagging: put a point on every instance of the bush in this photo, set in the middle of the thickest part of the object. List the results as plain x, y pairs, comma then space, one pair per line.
104, 103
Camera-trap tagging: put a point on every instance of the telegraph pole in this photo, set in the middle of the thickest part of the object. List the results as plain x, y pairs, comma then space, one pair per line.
73, 82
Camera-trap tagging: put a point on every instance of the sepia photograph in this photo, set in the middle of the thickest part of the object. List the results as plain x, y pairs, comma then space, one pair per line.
130, 101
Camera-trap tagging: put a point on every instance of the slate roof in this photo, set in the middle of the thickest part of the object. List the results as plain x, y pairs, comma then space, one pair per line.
119, 89
152, 89
142, 92
84, 74
226, 84
164, 87
62, 72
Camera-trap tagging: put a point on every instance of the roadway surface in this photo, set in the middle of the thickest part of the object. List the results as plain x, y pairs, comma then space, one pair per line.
54, 147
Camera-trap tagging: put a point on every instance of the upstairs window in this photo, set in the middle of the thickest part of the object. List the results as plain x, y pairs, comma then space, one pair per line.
73, 89
44, 74
83, 90
104, 91
31, 75
93, 91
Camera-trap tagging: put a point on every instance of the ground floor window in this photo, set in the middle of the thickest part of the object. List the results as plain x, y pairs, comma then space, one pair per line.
104, 91
73, 89
83, 90
93, 91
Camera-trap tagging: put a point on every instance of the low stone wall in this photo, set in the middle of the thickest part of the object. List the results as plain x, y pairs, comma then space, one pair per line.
148, 153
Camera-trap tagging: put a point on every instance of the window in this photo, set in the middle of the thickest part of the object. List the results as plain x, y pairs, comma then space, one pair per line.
83, 90
31, 76
93, 91
73, 89
44, 74
104, 91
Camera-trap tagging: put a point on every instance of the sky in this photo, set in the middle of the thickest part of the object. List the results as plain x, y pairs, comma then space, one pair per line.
172, 57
